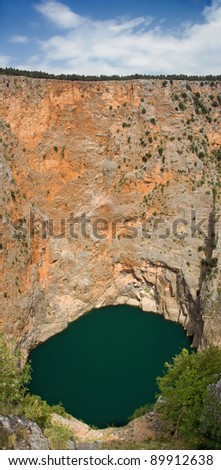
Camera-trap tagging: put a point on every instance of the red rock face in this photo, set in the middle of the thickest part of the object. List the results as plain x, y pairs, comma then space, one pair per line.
110, 190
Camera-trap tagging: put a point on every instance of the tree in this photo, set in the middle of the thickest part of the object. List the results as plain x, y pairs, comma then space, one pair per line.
210, 420
184, 387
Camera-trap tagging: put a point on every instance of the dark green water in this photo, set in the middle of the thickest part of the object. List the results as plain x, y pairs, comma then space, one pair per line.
105, 364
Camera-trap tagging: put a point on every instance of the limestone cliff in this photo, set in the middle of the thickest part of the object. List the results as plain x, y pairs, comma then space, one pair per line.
111, 194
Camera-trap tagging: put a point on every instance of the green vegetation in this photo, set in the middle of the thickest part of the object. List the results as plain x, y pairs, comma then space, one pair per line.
184, 95
182, 106
58, 436
188, 402
15, 400
142, 142
13, 195
63, 152
216, 154
146, 157
141, 411
209, 263
198, 104
153, 121
36, 409
14, 379
210, 420
201, 155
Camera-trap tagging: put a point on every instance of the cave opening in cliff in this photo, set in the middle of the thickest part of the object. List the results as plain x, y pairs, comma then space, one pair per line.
105, 364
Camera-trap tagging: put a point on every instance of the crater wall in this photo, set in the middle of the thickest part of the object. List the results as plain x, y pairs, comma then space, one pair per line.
111, 194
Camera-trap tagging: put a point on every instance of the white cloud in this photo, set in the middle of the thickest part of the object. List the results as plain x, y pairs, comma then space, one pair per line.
59, 14
126, 46
4, 61
127, 25
19, 39
210, 11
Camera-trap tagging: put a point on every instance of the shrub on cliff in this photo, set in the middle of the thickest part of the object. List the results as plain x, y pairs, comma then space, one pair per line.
38, 410
58, 436
13, 377
184, 389
141, 411
14, 394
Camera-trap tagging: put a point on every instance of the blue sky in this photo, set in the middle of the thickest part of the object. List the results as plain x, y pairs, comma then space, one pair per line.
122, 37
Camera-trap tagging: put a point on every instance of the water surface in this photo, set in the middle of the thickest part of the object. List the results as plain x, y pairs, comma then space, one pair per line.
105, 364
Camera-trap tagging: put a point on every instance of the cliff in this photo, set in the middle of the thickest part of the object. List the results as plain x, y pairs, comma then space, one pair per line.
111, 194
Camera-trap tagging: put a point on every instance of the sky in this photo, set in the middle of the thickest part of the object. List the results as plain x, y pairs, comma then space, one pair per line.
117, 37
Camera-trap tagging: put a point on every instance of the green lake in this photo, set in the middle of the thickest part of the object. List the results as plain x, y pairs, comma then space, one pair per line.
105, 364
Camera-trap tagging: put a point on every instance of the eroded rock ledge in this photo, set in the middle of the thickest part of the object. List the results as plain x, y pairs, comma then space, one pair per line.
111, 194
20, 433
145, 428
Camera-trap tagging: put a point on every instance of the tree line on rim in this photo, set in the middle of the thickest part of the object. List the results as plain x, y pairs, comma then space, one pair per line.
76, 77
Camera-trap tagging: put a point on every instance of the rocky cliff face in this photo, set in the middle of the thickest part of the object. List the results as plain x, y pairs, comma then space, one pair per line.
111, 194
21, 434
